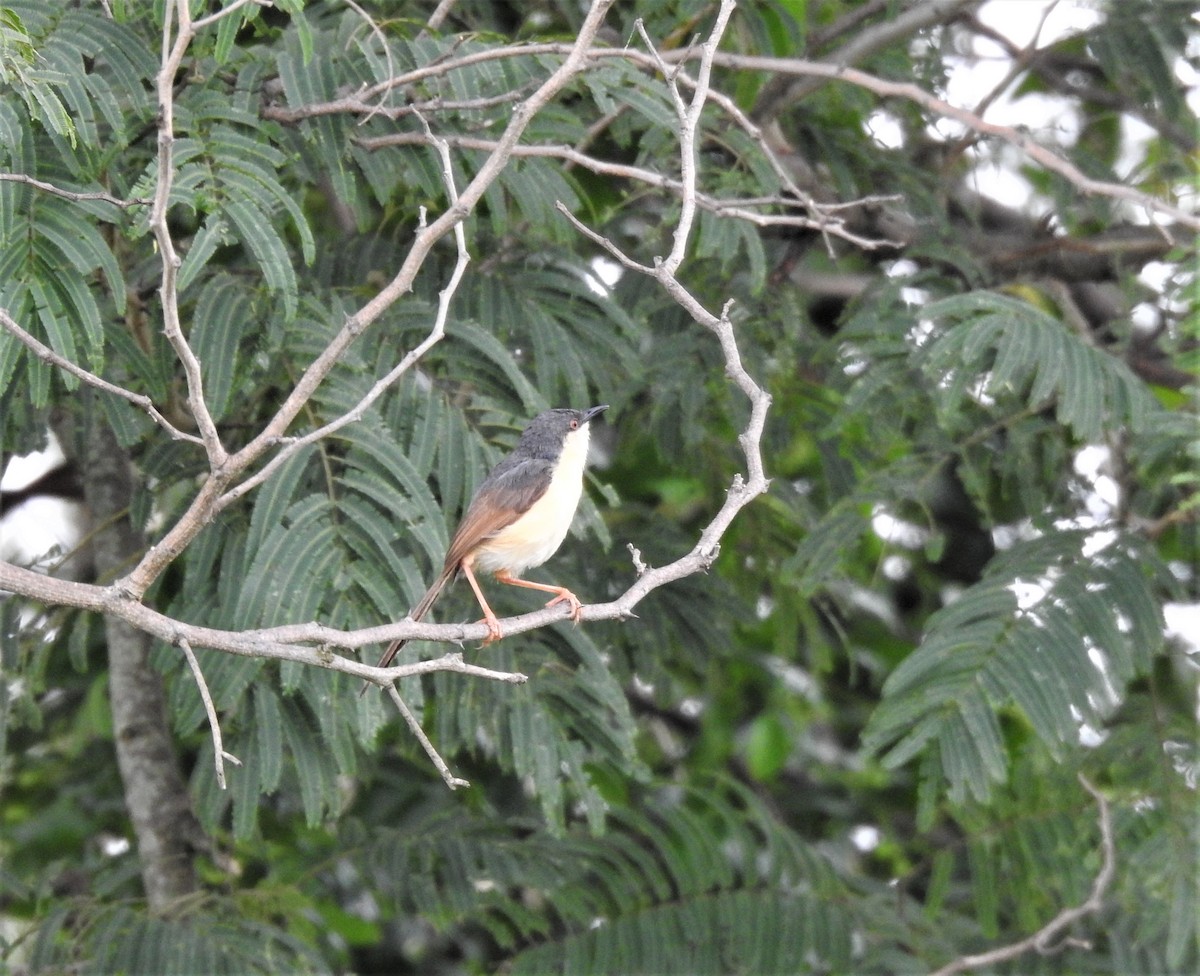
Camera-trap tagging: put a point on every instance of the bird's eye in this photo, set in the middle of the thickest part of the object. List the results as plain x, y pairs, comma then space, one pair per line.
574, 425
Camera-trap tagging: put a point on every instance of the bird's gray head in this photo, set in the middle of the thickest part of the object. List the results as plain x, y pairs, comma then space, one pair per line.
548, 432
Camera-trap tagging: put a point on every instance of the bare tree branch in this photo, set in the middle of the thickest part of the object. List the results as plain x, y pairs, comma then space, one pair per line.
48, 355
867, 41
414, 355
172, 57
161, 555
736, 208
1044, 939
112, 602
439, 15
73, 195
1043, 156
214, 724
414, 726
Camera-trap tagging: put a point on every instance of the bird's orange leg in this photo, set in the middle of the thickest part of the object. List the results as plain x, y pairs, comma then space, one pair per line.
561, 593
489, 618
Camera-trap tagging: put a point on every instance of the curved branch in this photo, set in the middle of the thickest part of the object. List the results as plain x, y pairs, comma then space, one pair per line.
797, 67
1043, 940
173, 52
75, 196
826, 223
177, 538
48, 355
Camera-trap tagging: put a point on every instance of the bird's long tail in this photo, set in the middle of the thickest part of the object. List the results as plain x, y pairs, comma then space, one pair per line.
417, 613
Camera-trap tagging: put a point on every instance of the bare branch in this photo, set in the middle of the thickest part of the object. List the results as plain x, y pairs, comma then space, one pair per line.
172, 57
198, 25
436, 334
689, 122
1043, 156
374, 28
219, 753
741, 491
1040, 154
414, 726
440, 13
159, 556
1043, 940
866, 42
115, 603
48, 355
736, 208
74, 195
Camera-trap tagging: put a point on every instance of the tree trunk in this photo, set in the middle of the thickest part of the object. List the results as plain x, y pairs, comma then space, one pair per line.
155, 792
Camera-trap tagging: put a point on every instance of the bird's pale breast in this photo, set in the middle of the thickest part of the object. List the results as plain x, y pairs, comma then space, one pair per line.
536, 535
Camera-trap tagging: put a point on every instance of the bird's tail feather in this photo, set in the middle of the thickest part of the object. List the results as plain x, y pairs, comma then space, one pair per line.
417, 613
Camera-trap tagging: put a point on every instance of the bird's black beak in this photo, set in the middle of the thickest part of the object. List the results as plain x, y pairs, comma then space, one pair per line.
593, 412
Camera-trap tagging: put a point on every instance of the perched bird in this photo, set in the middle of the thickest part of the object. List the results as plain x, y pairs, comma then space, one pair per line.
519, 516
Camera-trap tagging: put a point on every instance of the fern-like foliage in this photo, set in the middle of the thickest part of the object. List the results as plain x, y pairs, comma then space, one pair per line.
120, 939
1058, 627
688, 882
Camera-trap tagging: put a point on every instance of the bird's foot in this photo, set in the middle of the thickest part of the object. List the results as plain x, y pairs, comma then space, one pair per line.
493, 626
566, 596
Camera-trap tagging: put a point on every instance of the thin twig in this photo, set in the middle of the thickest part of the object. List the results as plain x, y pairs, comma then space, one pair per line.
219, 753
73, 195
387, 50
202, 22
48, 355
440, 13
824, 222
414, 355
414, 726
1042, 155
689, 122
173, 52
1043, 940
741, 490
203, 506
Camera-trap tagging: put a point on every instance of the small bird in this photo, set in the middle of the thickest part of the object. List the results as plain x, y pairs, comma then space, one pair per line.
519, 516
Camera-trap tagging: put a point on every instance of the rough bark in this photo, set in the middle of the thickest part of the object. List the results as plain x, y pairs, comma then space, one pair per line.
156, 795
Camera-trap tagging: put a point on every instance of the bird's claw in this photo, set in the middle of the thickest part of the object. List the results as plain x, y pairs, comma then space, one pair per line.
566, 596
493, 626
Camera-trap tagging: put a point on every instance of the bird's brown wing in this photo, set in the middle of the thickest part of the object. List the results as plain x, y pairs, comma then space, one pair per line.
505, 495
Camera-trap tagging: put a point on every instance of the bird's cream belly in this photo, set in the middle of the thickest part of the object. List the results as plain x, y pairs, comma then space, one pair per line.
536, 535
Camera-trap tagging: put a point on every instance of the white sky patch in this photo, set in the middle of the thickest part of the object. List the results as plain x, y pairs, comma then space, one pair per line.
643, 687
853, 361
1089, 737
1102, 494
38, 533
113, 846
1145, 318
1100, 662
885, 129
1019, 20
1183, 624
1028, 593
1097, 542
922, 331
608, 271
901, 268
896, 531
865, 837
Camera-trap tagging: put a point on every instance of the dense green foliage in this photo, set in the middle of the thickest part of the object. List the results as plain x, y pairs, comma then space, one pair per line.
923, 629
